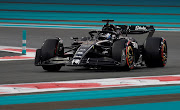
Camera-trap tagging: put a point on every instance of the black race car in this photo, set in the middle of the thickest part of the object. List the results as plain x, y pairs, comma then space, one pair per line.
107, 47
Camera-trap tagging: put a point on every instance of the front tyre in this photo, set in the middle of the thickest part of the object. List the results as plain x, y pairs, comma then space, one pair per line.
48, 50
37, 57
122, 51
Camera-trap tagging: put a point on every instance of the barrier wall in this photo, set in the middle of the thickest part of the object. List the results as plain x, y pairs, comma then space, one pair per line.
161, 13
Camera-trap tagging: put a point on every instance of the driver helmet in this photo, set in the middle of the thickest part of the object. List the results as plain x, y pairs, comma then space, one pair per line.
104, 36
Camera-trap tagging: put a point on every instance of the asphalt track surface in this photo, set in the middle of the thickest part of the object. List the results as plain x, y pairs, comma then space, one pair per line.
26, 72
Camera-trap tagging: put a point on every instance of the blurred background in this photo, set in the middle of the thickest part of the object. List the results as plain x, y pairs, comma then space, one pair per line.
160, 13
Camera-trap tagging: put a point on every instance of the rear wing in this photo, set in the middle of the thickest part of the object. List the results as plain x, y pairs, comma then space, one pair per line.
107, 21
137, 29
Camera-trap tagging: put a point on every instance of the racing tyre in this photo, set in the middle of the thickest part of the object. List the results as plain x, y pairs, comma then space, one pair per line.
38, 56
51, 67
48, 50
155, 52
122, 51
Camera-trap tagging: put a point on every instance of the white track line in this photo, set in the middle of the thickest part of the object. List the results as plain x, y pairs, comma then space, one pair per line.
29, 55
88, 84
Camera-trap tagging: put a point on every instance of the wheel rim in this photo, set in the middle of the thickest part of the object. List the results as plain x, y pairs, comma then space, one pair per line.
129, 56
164, 52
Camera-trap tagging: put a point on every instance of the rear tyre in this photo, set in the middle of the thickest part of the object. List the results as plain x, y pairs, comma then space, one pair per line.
37, 57
51, 67
122, 51
155, 52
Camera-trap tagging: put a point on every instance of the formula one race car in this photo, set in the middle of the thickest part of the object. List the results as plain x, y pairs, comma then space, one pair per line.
107, 47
